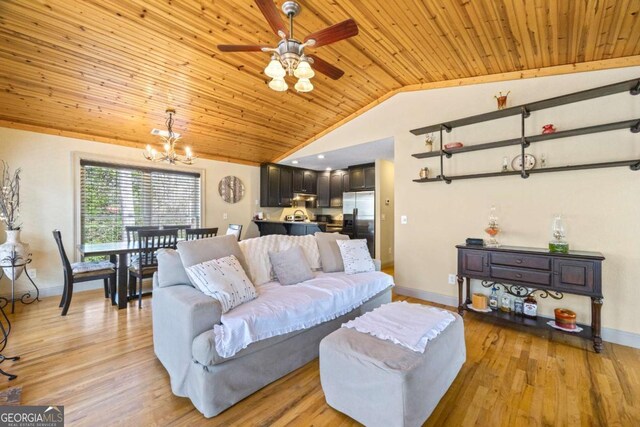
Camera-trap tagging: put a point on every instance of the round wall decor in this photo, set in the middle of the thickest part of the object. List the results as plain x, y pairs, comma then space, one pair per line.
231, 189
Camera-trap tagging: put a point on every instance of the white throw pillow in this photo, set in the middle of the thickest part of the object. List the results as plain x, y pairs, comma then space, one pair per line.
356, 256
223, 279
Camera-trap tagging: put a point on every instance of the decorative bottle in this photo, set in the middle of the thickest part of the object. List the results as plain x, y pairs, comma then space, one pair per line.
518, 306
559, 232
493, 299
530, 308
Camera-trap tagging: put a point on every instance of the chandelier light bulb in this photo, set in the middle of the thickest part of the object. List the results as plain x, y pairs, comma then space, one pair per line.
187, 150
304, 70
278, 84
274, 69
304, 85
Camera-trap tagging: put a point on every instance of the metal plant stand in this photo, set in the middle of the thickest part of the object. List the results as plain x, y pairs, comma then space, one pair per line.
16, 261
5, 328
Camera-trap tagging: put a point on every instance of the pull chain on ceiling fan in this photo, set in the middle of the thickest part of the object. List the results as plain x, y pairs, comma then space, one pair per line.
289, 58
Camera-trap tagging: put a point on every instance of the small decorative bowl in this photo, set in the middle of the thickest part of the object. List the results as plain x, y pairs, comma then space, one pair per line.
453, 145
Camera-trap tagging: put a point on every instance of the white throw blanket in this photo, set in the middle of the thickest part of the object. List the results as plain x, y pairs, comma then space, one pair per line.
282, 309
408, 325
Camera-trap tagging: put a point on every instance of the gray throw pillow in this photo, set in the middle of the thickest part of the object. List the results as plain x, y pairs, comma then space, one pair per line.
194, 252
291, 266
330, 255
171, 272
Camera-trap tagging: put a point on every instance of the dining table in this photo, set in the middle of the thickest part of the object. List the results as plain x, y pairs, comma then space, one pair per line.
117, 253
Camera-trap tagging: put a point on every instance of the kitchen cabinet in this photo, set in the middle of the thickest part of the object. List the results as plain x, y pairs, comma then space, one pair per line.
276, 187
304, 181
362, 177
337, 187
324, 189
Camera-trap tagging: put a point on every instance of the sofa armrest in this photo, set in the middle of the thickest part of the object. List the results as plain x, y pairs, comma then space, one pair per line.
378, 264
180, 313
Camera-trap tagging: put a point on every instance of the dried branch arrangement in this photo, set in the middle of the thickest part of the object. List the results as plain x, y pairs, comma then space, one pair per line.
10, 197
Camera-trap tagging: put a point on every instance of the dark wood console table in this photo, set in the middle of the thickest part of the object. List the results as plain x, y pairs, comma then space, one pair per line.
522, 271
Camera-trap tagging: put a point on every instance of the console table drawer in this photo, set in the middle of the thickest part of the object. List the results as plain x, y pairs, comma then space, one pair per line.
574, 275
523, 261
521, 275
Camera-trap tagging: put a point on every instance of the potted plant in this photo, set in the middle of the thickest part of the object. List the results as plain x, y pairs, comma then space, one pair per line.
13, 248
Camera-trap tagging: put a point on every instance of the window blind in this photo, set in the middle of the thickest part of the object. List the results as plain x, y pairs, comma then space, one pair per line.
114, 196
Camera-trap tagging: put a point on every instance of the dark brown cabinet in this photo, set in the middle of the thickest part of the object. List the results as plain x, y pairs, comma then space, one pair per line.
324, 189
338, 186
362, 177
525, 271
275, 186
304, 181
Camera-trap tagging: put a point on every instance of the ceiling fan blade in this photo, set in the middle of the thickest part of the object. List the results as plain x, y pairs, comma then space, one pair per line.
334, 33
239, 48
325, 68
272, 15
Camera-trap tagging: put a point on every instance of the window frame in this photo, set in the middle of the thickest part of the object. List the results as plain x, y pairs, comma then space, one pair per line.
76, 168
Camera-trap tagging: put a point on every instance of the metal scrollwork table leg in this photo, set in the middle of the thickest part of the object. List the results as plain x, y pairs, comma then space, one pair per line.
5, 329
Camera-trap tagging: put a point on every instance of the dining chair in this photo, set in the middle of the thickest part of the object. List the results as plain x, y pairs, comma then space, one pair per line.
181, 229
132, 231
84, 272
201, 233
235, 229
149, 241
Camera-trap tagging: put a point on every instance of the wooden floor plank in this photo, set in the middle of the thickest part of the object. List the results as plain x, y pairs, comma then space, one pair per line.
99, 363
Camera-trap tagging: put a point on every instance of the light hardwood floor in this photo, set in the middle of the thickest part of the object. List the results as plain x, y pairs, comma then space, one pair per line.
99, 363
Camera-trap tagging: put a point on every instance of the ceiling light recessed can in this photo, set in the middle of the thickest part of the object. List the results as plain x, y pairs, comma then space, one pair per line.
321, 156
295, 162
328, 169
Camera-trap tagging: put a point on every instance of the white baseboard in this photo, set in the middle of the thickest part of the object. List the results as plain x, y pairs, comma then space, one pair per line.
427, 296
53, 291
615, 336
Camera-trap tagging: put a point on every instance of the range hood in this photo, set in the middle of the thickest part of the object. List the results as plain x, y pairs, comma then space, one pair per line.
305, 199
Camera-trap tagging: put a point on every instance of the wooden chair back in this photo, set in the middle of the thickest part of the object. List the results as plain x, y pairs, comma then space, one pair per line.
57, 235
149, 241
235, 229
181, 229
201, 233
132, 231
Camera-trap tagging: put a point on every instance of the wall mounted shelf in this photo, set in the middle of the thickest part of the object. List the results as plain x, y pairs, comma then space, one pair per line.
633, 164
524, 111
633, 86
632, 125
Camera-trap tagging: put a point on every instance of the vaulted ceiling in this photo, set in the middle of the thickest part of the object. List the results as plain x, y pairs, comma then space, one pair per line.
107, 70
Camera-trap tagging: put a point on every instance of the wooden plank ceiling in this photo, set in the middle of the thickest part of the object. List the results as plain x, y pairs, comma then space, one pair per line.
107, 70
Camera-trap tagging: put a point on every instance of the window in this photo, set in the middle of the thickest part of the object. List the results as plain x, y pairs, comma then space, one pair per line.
114, 196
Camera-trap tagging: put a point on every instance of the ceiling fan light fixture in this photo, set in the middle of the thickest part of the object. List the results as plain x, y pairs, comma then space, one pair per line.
274, 69
304, 85
278, 84
304, 70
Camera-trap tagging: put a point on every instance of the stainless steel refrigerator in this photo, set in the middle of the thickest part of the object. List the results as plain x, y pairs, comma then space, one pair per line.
359, 217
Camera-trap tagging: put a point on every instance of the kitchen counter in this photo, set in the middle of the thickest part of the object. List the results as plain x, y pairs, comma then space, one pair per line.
291, 228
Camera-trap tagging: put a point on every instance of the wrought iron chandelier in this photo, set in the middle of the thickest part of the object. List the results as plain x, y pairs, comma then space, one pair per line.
169, 140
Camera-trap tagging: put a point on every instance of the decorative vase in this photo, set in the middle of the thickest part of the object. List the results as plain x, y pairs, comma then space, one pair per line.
13, 247
424, 173
548, 129
502, 100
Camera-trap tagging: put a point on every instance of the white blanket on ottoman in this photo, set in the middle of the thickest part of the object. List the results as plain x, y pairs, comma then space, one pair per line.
409, 325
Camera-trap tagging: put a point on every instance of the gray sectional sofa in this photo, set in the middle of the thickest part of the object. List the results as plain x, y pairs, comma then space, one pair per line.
183, 338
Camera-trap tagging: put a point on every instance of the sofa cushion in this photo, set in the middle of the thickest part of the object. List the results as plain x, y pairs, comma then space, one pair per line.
256, 252
356, 256
194, 252
171, 272
330, 256
309, 246
223, 279
291, 266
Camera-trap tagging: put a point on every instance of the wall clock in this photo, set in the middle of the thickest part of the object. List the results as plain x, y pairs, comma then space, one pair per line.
529, 162
231, 189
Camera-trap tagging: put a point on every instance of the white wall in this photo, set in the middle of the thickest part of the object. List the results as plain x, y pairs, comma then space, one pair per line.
47, 194
601, 207
384, 212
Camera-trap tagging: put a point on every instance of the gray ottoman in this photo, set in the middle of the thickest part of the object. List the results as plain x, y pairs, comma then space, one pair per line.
379, 383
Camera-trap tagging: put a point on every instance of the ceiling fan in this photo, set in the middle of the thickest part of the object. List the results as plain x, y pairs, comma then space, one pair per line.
289, 58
